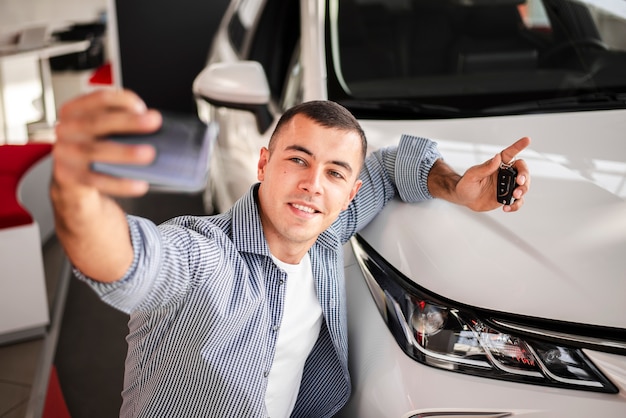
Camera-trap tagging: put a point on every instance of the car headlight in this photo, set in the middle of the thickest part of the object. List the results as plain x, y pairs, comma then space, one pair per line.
442, 333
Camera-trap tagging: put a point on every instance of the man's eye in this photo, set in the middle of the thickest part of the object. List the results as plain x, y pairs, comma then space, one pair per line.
336, 174
297, 160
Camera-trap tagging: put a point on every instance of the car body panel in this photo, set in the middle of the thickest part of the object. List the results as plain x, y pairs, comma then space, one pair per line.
542, 261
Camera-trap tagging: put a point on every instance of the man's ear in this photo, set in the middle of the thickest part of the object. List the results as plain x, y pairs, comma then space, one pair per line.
263, 159
353, 192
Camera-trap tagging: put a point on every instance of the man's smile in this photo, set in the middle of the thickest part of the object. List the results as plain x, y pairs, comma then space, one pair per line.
304, 208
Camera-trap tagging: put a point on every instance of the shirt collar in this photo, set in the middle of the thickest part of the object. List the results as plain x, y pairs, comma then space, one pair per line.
248, 233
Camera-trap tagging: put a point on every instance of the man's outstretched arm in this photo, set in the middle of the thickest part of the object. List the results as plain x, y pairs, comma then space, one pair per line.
90, 225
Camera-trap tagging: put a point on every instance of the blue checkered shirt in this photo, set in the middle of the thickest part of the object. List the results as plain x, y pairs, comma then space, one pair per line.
205, 302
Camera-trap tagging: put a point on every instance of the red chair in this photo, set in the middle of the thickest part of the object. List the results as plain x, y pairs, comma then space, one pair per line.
25, 223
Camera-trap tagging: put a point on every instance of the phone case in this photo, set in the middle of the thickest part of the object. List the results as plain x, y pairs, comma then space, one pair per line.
183, 146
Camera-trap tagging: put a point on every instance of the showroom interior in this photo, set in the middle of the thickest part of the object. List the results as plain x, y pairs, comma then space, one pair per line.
450, 312
152, 47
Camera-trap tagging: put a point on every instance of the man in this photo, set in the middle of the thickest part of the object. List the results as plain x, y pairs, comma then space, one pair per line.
242, 313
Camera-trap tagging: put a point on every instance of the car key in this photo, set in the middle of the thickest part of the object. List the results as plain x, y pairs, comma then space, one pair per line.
507, 182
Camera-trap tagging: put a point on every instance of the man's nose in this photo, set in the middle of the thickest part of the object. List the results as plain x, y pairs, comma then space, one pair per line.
312, 181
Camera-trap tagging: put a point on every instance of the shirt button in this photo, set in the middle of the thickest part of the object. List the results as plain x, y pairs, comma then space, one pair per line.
282, 281
275, 328
265, 374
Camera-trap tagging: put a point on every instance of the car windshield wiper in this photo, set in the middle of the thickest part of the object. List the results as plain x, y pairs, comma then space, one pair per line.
400, 108
591, 101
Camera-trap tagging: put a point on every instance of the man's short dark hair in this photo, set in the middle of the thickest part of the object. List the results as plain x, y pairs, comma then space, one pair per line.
325, 113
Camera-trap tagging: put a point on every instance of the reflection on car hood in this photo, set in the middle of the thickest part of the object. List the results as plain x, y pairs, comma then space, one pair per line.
563, 256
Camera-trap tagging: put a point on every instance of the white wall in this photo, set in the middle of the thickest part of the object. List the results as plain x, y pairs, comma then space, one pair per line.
57, 15
15, 14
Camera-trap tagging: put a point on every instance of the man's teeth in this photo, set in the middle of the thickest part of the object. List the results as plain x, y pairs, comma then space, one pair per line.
304, 208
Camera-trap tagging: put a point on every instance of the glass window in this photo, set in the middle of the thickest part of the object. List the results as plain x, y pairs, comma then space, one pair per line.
473, 57
275, 40
293, 93
242, 22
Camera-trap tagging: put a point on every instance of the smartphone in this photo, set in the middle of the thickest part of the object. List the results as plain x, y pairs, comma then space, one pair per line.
183, 148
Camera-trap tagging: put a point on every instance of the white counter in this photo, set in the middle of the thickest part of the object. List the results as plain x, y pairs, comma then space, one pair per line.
26, 93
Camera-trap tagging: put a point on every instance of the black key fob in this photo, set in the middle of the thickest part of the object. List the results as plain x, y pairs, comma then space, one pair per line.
507, 176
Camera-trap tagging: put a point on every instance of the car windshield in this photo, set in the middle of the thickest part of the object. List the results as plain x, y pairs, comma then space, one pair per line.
449, 58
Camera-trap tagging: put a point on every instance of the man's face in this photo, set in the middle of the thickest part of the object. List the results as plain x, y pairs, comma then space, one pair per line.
310, 176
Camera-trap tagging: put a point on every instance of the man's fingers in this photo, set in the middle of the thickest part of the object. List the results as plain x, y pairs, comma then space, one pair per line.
118, 153
73, 168
102, 124
515, 206
125, 122
102, 99
523, 175
508, 154
103, 113
119, 187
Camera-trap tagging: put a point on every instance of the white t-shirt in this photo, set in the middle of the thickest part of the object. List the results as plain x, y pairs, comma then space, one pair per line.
298, 332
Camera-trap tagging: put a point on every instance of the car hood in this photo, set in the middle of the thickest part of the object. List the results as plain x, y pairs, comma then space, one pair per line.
562, 256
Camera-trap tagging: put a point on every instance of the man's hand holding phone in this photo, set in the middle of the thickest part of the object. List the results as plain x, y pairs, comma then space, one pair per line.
182, 145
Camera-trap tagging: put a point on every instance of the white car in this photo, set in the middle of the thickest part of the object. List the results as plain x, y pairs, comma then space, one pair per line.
454, 313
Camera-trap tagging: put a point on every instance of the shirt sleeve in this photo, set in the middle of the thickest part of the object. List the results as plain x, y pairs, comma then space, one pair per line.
389, 172
415, 157
166, 263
